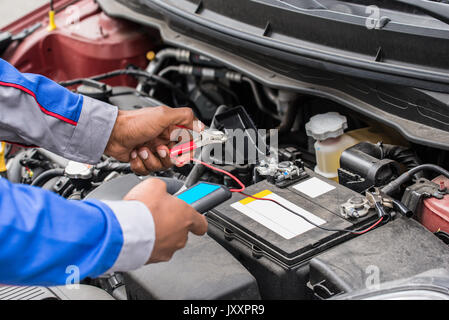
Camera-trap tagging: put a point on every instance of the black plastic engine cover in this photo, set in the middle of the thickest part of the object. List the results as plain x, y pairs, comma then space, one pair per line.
400, 249
203, 270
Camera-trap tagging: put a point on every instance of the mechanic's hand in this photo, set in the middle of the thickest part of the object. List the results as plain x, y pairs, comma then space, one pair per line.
173, 218
142, 137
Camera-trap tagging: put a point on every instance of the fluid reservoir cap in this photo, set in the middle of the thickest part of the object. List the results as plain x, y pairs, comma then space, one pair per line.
77, 170
326, 125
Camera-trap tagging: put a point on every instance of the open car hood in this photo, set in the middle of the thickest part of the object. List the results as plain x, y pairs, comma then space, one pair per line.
399, 44
392, 69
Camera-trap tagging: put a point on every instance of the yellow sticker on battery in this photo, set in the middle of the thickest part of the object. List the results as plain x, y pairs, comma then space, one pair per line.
276, 218
257, 195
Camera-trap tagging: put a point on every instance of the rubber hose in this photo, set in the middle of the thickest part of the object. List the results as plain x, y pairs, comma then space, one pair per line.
289, 118
258, 99
116, 166
47, 175
403, 155
14, 172
396, 184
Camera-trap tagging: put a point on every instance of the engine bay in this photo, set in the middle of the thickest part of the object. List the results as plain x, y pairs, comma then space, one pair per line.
355, 205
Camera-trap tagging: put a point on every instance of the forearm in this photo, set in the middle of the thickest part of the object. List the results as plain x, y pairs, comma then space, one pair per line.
42, 234
36, 111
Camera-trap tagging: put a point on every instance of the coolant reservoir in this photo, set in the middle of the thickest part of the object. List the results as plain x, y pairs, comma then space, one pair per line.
328, 131
376, 133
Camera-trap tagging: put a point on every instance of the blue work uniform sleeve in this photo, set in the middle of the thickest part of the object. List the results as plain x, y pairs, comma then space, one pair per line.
42, 234
37, 111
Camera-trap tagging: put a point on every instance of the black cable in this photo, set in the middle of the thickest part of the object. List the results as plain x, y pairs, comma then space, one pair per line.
68, 191
115, 73
242, 189
403, 178
180, 93
46, 176
444, 236
289, 117
130, 92
314, 224
258, 99
137, 73
223, 88
114, 166
121, 72
172, 86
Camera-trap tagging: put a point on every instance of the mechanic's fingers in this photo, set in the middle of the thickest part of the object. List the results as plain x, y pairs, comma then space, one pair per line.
151, 162
197, 126
183, 117
137, 165
199, 224
181, 135
168, 160
163, 151
164, 156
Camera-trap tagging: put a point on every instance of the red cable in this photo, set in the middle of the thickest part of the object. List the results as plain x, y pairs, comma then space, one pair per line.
272, 200
369, 228
242, 186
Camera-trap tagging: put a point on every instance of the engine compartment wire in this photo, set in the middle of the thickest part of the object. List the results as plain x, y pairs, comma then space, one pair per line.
138, 74
242, 186
408, 175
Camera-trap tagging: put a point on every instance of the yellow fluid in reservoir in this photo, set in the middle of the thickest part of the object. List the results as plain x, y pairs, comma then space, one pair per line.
380, 133
328, 152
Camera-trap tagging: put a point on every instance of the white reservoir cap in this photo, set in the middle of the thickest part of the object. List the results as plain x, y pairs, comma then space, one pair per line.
326, 125
77, 170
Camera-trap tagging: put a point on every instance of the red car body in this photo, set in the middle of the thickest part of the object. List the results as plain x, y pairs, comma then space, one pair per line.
86, 42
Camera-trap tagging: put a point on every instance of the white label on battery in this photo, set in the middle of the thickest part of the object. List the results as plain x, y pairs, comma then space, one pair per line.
314, 187
274, 217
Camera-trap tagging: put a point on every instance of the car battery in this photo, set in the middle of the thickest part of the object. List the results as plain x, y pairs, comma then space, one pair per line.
274, 244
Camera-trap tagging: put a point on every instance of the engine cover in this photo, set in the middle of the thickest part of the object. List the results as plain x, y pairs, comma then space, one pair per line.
398, 250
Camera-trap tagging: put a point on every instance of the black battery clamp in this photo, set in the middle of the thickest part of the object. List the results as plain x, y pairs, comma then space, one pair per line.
205, 196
